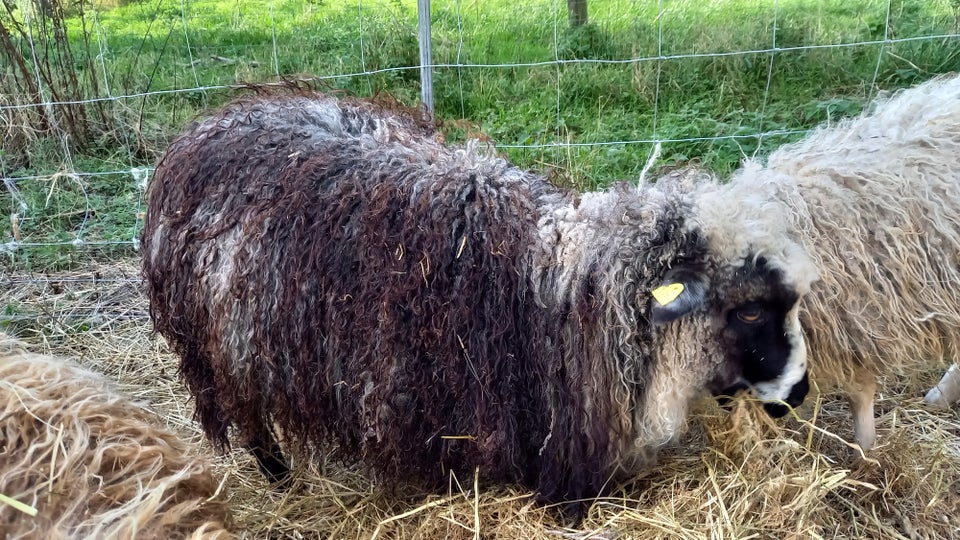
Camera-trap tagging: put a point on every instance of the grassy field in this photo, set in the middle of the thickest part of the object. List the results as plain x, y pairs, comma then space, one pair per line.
632, 75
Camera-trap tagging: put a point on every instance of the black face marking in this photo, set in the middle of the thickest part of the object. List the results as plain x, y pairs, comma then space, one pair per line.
763, 344
757, 336
774, 409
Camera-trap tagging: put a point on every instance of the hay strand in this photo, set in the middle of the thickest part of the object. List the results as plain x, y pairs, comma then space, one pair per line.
25, 508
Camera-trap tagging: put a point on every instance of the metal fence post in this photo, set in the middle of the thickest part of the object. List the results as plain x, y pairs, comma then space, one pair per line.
426, 56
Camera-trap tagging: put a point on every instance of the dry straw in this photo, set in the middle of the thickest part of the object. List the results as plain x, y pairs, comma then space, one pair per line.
735, 474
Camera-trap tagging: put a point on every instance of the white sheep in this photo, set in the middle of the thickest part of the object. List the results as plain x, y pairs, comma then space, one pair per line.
875, 200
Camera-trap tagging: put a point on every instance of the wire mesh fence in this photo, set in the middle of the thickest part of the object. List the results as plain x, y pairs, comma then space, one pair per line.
94, 90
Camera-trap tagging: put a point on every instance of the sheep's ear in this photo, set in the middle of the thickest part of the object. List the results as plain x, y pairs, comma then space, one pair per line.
682, 291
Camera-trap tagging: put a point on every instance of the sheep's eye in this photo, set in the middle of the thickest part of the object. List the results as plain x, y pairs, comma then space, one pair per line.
750, 315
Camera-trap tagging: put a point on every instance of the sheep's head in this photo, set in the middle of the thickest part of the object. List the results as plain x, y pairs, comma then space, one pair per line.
748, 287
752, 329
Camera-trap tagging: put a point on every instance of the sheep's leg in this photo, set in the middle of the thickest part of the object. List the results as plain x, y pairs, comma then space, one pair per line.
269, 458
861, 405
947, 390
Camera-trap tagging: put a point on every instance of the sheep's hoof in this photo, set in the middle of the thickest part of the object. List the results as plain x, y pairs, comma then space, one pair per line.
271, 463
573, 513
935, 398
865, 440
278, 474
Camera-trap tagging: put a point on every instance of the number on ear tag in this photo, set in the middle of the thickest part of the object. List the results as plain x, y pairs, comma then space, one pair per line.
667, 293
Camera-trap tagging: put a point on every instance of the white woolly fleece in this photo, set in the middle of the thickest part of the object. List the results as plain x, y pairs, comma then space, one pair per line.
747, 217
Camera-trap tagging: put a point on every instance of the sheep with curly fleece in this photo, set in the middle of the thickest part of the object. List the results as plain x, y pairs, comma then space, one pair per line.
876, 201
327, 269
79, 460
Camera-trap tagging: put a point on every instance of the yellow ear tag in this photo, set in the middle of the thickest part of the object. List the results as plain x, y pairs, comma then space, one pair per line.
667, 293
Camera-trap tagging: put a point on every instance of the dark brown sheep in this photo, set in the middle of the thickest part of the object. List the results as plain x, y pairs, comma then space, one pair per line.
328, 269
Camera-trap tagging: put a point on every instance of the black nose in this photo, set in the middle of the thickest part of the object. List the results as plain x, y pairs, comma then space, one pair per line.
795, 399
776, 410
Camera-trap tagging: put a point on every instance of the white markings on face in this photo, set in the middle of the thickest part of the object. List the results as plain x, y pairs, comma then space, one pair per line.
796, 367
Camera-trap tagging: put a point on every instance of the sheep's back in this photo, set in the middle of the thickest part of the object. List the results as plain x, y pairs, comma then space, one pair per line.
330, 281
880, 211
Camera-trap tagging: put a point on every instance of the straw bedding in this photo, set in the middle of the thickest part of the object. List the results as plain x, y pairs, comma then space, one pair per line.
733, 475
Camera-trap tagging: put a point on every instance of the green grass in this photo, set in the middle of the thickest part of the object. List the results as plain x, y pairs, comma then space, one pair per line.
155, 46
